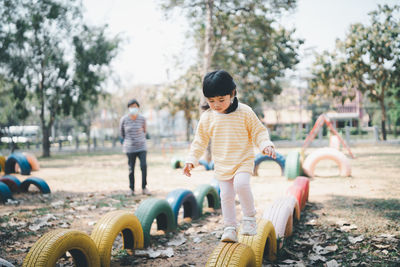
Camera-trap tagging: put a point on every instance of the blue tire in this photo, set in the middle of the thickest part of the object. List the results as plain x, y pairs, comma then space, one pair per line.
185, 198
5, 192
209, 192
38, 182
208, 165
12, 182
280, 159
22, 162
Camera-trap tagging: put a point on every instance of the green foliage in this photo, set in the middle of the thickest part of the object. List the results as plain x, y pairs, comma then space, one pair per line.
51, 57
245, 41
368, 60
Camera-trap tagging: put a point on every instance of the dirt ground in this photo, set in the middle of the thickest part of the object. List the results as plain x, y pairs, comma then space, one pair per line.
348, 221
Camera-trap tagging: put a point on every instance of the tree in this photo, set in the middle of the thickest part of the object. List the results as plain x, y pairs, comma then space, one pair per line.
52, 57
183, 95
244, 41
368, 59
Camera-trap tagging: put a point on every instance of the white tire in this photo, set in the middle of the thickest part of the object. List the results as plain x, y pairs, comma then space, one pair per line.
327, 153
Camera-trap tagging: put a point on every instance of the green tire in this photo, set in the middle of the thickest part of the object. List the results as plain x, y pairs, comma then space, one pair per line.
206, 191
159, 209
292, 165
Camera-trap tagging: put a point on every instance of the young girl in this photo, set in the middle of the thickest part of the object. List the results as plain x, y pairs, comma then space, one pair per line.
233, 129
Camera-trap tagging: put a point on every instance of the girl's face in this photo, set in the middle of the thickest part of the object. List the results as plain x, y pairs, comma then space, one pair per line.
219, 103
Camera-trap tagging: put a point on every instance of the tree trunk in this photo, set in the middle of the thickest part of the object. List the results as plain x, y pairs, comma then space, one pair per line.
383, 123
207, 57
45, 140
208, 36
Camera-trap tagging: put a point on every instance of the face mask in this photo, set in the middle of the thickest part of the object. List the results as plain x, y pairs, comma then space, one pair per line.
133, 111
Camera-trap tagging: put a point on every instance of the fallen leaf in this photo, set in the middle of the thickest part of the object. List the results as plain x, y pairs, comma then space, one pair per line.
356, 239
151, 253
324, 250
179, 240
315, 258
332, 263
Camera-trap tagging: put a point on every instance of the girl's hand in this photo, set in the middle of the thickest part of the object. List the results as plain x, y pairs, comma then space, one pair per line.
186, 170
269, 151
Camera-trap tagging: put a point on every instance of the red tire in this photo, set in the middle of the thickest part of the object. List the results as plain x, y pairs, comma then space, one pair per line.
298, 192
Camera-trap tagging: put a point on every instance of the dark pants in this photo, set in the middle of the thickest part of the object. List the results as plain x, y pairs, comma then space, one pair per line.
143, 166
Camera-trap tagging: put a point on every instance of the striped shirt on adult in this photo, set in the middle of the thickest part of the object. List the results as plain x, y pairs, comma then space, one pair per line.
133, 133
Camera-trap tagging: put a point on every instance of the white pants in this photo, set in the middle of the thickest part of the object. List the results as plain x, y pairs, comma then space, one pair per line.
239, 184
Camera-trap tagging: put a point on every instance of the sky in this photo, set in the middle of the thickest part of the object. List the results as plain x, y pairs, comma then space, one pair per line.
153, 45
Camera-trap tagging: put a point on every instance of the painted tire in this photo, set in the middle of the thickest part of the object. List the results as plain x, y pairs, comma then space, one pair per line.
22, 162
280, 159
281, 213
215, 184
326, 153
158, 209
177, 163
209, 192
12, 182
107, 229
292, 165
5, 192
38, 182
208, 165
303, 182
53, 245
334, 142
232, 255
2, 163
32, 160
4, 263
185, 198
264, 239
298, 192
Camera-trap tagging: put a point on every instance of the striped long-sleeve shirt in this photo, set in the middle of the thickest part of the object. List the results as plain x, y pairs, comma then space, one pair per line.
133, 133
233, 137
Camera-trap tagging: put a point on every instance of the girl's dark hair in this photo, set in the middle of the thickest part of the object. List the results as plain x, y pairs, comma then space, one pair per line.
219, 83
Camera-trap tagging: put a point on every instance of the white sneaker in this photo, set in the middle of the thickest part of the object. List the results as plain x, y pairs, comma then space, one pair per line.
249, 226
229, 235
146, 191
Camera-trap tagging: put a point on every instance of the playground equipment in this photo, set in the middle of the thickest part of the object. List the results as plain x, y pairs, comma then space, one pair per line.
323, 119
53, 245
32, 160
185, 198
280, 159
5, 192
209, 192
293, 165
12, 182
36, 181
2, 163
232, 254
158, 209
327, 153
95, 250
264, 240
281, 213
20, 159
108, 228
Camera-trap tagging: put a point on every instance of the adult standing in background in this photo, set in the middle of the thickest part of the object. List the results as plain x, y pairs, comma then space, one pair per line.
133, 132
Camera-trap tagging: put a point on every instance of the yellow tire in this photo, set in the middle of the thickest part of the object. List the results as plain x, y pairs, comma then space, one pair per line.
53, 245
2, 163
262, 243
108, 228
231, 255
